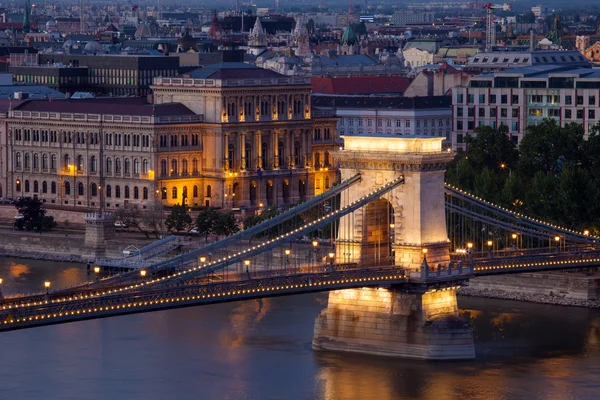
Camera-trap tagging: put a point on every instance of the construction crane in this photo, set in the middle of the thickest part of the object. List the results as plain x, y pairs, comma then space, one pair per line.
490, 33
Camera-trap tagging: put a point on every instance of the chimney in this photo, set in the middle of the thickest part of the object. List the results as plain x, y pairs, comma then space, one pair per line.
532, 45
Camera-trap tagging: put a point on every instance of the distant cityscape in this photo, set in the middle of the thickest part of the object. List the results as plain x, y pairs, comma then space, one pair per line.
111, 105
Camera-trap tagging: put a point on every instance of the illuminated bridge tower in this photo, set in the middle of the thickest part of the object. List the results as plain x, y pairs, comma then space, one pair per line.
419, 320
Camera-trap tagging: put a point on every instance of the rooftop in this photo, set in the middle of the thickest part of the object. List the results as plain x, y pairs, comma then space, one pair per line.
360, 85
232, 70
389, 102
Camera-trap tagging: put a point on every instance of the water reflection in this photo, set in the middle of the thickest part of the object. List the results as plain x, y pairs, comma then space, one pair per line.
261, 349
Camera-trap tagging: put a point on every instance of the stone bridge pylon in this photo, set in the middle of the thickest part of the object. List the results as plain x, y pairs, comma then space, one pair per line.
418, 320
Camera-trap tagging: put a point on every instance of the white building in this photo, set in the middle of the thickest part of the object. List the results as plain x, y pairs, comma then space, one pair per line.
404, 17
428, 116
522, 97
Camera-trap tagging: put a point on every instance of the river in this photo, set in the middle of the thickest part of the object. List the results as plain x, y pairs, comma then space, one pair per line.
262, 350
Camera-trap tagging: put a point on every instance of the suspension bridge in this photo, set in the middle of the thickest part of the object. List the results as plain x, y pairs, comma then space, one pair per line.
401, 242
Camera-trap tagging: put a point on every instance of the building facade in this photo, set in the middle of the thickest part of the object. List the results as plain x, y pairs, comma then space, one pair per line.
521, 97
427, 116
98, 153
259, 139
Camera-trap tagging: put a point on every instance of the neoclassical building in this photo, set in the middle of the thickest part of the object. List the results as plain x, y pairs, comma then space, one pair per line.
99, 152
227, 136
259, 142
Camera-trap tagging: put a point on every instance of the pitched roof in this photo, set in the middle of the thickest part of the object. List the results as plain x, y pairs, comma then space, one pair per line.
393, 102
360, 85
112, 106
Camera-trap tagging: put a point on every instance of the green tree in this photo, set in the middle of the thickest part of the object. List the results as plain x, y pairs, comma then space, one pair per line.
491, 148
179, 219
153, 218
512, 194
206, 222
33, 216
486, 184
226, 224
548, 146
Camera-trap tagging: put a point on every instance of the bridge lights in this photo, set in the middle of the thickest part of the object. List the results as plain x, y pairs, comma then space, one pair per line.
490, 243
470, 246
96, 269
392, 225
315, 243
586, 232
557, 239
47, 286
202, 259
143, 273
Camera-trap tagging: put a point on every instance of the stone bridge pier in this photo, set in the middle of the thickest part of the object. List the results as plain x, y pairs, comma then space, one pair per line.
417, 321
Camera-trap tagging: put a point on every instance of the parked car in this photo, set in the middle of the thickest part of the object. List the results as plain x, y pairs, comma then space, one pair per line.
120, 224
7, 200
193, 230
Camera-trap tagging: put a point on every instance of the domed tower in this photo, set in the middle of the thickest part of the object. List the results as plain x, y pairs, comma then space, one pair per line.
257, 40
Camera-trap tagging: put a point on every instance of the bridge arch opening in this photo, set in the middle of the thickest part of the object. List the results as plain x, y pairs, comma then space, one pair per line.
377, 236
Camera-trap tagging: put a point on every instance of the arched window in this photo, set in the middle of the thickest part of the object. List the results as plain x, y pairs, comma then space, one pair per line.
79, 163
127, 168
53, 187
194, 165
145, 193
297, 154
231, 154
126, 192
264, 155
109, 165
163, 167
36, 161
93, 164
144, 166
108, 191
326, 161
173, 167
36, 187
80, 189
184, 193
45, 161
326, 182
184, 166
317, 160
53, 161
27, 160
195, 192
248, 149
94, 190
281, 150
67, 188
208, 191
117, 191
136, 166
27, 186
117, 165
136, 192
18, 160
174, 192
44, 187
67, 161
164, 193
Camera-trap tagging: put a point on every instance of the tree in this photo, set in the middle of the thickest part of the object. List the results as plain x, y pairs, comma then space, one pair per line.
206, 222
491, 148
179, 219
153, 218
226, 224
486, 184
132, 216
33, 216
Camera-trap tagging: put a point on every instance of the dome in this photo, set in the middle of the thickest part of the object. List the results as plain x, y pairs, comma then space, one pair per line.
51, 25
92, 47
349, 36
144, 30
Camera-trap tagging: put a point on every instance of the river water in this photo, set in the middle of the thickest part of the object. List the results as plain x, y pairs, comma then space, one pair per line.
262, 350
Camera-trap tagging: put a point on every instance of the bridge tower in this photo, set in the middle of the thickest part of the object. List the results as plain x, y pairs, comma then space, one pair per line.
419, 320
99, 227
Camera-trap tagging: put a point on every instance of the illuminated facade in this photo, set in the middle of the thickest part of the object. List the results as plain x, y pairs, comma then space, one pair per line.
259, 142
98, 151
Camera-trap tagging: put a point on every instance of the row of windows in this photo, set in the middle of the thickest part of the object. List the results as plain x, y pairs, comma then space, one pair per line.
28, 161
184, 192
515, 126
179, 140
174, 171
417, 132
296, 159
45, 136
326, 133
493, 112
398, 122
493, 99
80, 187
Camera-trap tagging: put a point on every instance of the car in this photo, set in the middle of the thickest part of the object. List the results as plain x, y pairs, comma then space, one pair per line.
7, 200
120, 224
193, 230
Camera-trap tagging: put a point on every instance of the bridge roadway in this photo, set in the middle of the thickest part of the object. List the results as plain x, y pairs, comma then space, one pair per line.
269, 284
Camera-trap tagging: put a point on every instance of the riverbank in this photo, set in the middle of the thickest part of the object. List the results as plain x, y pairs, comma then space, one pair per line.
528, 297
29, 255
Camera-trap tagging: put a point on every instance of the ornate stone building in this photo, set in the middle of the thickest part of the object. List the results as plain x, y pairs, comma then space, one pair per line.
97, 152
258, 138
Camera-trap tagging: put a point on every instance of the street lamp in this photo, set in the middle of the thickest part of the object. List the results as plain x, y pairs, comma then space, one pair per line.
96, 271
247, 264
586, 232
143, 273
331, 257
469, 246
557, 240
287, 258
202, 260
47, 286
504, 166
1, 280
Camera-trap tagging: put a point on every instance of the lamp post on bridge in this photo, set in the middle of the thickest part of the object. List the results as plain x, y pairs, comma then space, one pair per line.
515, 244
47, 286
331, 258
97, 271
557, 241
1, 281
247, 264
315, 245
490, 248
287, 260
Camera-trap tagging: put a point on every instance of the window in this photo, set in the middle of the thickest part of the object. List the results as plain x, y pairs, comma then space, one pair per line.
515, 113
460, 98
126, 192
592, 114
459, 138
503, 112
53, 187
504, 99
579, 100
117, 165
136, 166
592, 100
481, 112
459, 112
127, 165
36, 187
567, 114
459, 125
108, 191
194, 165
515, 99
109, 165
164, 193
174, 165
579, 114
44, 187
470, 125
184, 192
144, 166
470, 98
208, 191
18, 160
195, 191
493, 113
515, 126
163, 167
470, 111
93, 164
27, 160
80, 189
568, 99
53, 161
492, 99
136, 192
174, 192
94, 190
482, 99
67, 189
145, 193
36, 161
